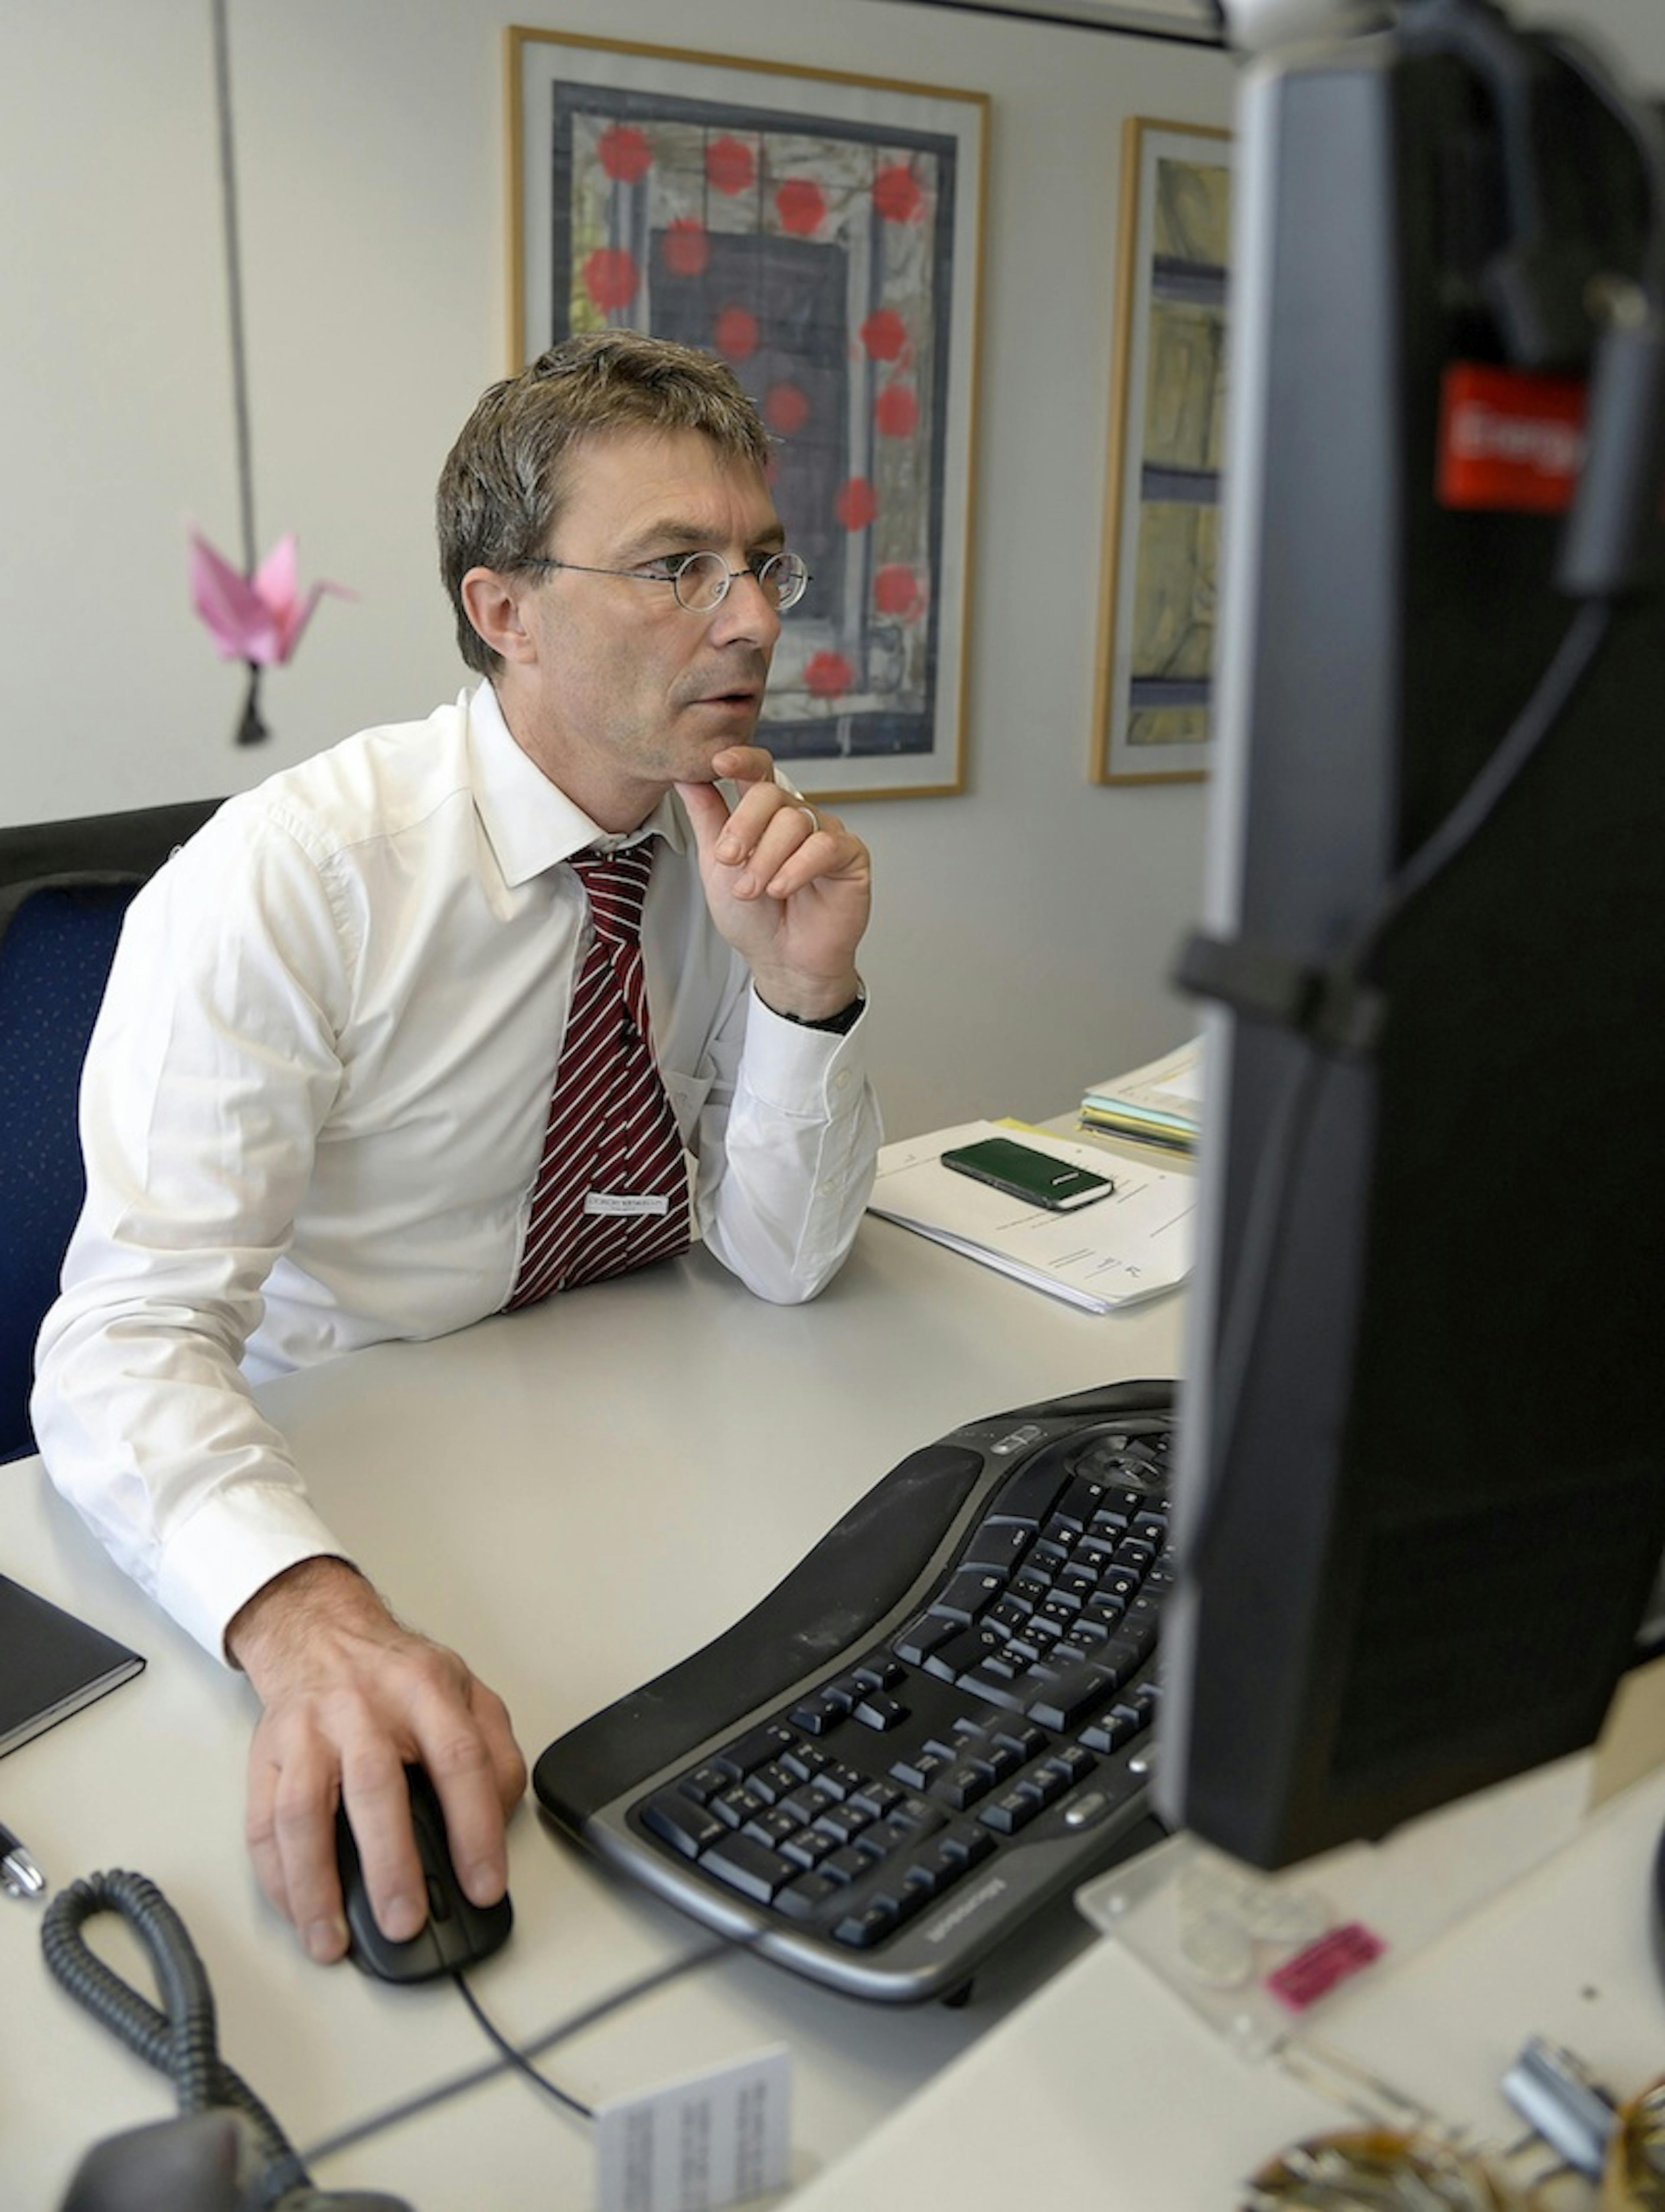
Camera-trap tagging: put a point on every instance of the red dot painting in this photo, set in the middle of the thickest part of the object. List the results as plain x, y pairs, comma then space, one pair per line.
883, 335
827, 675
625, 154
857, 503
898, 197
896, 410
785, 408
609, 277
730, 165
896, 591
685, 248
801, 205
735, 333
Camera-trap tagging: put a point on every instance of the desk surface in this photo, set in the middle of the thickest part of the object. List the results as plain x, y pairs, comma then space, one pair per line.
533, 1491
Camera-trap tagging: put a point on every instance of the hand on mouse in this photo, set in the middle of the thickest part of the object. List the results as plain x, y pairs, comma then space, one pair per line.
351, 1696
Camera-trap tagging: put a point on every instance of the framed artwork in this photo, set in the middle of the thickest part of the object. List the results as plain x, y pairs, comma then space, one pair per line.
1156, 640
823, 234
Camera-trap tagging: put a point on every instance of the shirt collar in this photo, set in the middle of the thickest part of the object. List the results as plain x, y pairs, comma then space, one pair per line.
531, 824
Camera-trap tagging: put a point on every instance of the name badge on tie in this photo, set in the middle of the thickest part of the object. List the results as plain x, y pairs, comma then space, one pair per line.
624, 1202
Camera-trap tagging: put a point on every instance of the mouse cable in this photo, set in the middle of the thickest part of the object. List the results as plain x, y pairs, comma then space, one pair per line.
424, 2101
517, 2057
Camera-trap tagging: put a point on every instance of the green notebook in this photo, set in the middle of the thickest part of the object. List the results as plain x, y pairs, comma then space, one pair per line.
51, 1664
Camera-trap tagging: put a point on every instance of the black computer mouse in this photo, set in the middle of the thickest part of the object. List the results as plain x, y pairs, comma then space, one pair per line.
456, 1933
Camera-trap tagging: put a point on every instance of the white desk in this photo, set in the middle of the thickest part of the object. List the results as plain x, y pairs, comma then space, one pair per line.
534, 1490
537, 1492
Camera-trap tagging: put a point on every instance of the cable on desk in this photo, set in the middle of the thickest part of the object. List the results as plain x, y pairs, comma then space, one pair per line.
180, 2041
411, 2108
516, 2057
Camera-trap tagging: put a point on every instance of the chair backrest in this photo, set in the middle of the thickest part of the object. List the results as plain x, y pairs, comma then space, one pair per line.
64, 887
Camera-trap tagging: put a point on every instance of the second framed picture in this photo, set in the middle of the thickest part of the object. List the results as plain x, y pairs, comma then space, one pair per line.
1152, 720
822, 233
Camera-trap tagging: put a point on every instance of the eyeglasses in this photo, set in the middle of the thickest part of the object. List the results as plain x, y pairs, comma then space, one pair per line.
701, 580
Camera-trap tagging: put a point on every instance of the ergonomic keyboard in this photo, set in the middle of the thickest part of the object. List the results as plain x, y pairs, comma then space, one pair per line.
938, 1721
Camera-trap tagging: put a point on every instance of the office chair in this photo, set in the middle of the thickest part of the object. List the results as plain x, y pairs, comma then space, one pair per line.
64, 889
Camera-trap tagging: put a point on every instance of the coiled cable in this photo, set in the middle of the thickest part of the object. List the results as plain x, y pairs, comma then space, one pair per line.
181, 2040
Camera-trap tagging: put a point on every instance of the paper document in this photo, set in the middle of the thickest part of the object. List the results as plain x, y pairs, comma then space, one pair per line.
1160, 1103
1130, 1245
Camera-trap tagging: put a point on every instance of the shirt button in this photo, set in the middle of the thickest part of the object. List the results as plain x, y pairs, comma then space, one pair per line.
843, 1080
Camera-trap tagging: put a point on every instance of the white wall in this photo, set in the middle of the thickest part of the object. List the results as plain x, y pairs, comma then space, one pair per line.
1024, 928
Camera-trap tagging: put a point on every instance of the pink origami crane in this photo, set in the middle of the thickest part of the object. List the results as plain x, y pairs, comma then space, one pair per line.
260, 621
257, 620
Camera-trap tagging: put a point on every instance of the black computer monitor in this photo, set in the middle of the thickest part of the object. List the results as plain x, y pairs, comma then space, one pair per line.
1422, 1498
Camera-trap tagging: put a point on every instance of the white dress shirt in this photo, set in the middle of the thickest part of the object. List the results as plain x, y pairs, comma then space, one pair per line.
313, 1108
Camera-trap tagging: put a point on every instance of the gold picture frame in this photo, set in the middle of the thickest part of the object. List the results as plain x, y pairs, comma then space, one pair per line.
1152, 700
823, 232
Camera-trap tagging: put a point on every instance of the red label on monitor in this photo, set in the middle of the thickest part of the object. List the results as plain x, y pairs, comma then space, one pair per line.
1508, 441
1314, 1972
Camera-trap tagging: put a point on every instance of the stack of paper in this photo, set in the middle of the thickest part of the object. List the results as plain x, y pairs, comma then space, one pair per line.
1128, 1245
1158, 1103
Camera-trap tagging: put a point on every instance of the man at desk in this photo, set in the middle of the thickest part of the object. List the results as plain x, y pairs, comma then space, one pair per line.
344, 1087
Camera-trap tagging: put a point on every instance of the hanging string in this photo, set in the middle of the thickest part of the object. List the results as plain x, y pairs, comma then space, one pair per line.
252, 730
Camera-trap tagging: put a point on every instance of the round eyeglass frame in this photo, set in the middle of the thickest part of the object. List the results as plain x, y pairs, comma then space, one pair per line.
782, 578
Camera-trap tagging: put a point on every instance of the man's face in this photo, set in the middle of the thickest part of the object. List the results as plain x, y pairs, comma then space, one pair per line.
626, 691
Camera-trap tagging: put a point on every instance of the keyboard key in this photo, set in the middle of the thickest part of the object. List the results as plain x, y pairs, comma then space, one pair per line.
875, 1921
964, 1651
805, 1760
879, 1671
969, 1843
999, 1688
823, 1711
808, 1848
877, 1797
1071, 1699
843, 1823
1083, 1498
1031, 1494
762, 1744
965, 1596
773, 1782
935, 1867
750, 1867
918, 1770
843, 1780
737, 1805
677, 1820
1026, 1738
920, 1638
772, 1827
803, 1898
1006, 1815
997, 1544
808, 1803
964, 1785
706, 1782
1109, 1731
847, 1864
878, 1710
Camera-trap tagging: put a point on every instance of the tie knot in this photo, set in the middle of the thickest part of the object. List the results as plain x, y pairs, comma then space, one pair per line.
615, 884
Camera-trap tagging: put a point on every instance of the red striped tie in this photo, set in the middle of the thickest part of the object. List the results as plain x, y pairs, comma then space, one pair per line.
612, 1191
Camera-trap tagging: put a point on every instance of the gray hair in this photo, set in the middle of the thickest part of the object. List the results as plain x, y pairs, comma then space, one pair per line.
504, 480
